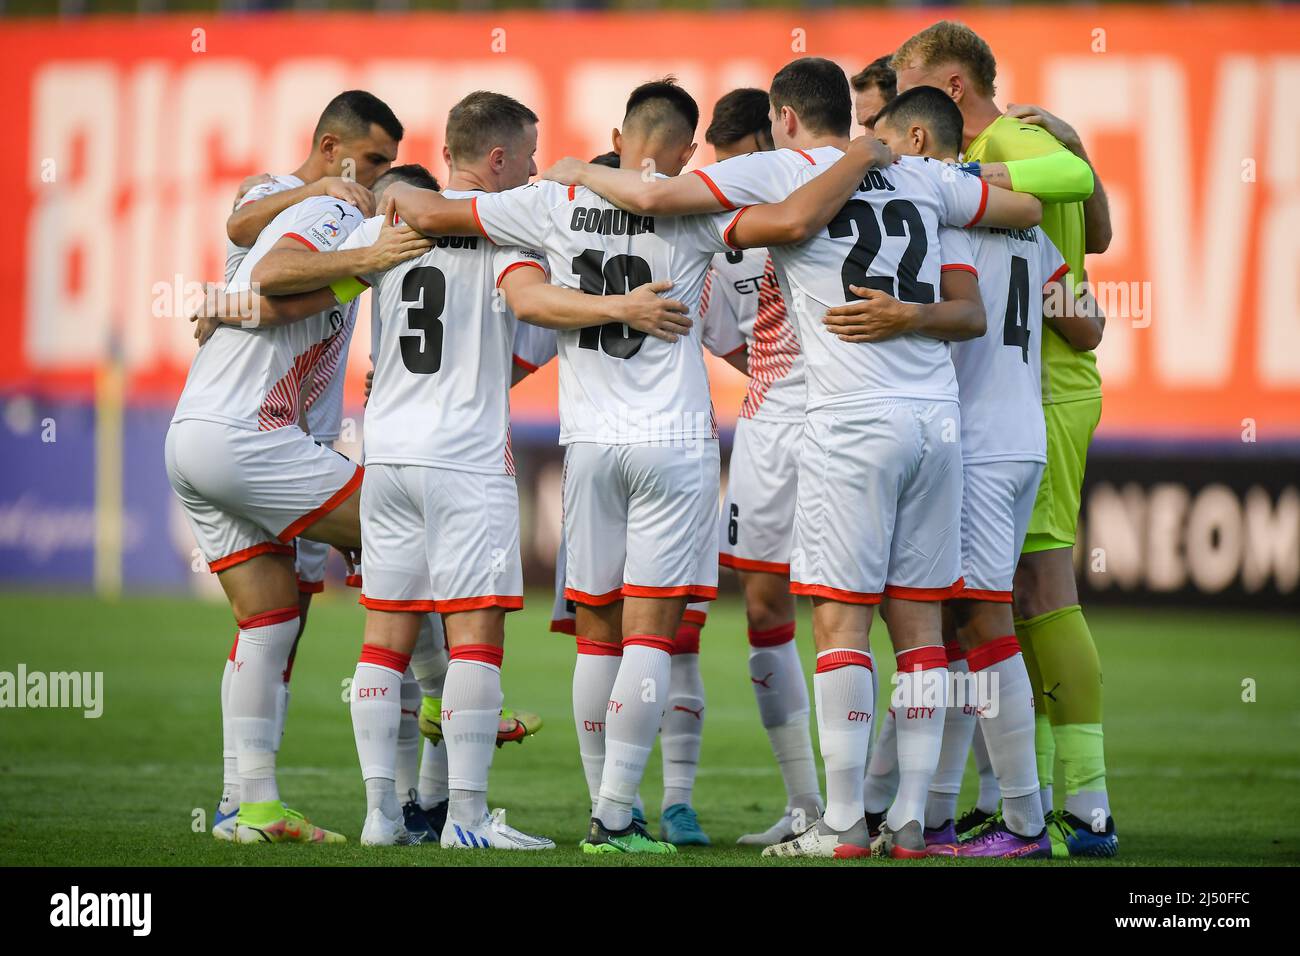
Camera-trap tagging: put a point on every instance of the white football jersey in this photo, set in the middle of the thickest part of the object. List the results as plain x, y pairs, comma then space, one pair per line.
441, 393
998, 374
617, 386
743, 292
885, 237
278, 184
534, 346
258, 378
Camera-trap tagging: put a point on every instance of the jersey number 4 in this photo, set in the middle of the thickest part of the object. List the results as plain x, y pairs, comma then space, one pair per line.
900, 218
618, 275
422, 349
1015, 325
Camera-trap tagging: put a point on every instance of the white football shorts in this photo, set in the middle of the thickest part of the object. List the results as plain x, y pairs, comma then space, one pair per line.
758, 511
997, 501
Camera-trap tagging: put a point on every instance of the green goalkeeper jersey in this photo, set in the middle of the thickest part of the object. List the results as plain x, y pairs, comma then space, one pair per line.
1068, 374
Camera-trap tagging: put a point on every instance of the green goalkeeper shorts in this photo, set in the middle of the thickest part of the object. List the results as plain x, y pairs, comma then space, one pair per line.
1056, 509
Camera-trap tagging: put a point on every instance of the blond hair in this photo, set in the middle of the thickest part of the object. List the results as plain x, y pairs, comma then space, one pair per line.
950, 42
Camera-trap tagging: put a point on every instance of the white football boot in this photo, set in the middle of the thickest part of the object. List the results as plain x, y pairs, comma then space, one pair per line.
491, 833
819, 840
381, 831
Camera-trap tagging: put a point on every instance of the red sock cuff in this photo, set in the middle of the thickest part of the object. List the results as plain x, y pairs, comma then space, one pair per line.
383, 657
481, 653
994, 652
657, 641
268, 618
773, 637
923, 659
842, 657
687, 640
954, 651
234, 647
598, 648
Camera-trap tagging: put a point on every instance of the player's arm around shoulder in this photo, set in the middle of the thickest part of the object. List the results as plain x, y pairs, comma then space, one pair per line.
431, 213
1077, 318
638, 191
534, 300
246, 310
807, 210
291, 266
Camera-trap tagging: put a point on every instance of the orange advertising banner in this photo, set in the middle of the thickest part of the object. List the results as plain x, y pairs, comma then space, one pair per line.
128, 137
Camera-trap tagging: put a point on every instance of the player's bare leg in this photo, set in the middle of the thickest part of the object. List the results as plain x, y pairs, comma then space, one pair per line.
781, 691
843, 687
919, 704
390, 638
263, 592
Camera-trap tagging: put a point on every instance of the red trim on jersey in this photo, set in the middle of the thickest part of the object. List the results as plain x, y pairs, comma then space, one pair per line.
598, 648
772, 637
746, 564
511, 602
310, 587
517, 265
473, 207
239, 557
775, 346
306, 242
960, 267
726, 233
564, 625
332, 502
922, 658
954, 651
1060, 273
593, 600
994, 652
842, 657
384, 657
692, 616
984, 201
269, 618
380, 604
736, 351
528, 367
835, 594
811, 161
657, 641
687, 640
974, 594
926, 594
481, 653
573, 191
713, 188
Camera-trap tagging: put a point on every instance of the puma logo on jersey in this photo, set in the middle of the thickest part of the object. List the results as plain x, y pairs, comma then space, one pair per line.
610, 222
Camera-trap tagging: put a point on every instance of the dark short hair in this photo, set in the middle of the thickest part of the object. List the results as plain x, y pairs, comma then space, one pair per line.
878, 74
350, 115
609, 159
930, 107
412, 173
817, 90
482, 121
659, 102
740, 113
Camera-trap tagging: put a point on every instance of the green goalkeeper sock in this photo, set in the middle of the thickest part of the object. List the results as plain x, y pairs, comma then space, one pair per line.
1044, 741
1071, 674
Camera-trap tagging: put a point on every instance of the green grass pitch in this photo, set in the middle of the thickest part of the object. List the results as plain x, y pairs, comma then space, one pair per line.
1197, 775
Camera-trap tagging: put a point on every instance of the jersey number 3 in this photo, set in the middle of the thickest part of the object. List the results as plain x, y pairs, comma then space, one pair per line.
422, 349
617, 276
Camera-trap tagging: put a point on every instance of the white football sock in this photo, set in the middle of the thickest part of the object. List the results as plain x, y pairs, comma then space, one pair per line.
471, 709
636, 709
429, 657
780, 689
408, 738
376, 718
989, 794
918, 720
433, 775
260, 658
882, 770
958, 727
683, 726
593, 683
842, 685
1008, 725
229, 764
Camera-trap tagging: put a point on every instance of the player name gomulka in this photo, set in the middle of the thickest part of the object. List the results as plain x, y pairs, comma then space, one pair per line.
610, 222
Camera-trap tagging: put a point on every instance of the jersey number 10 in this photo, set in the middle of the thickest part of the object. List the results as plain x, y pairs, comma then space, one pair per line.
618, 275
